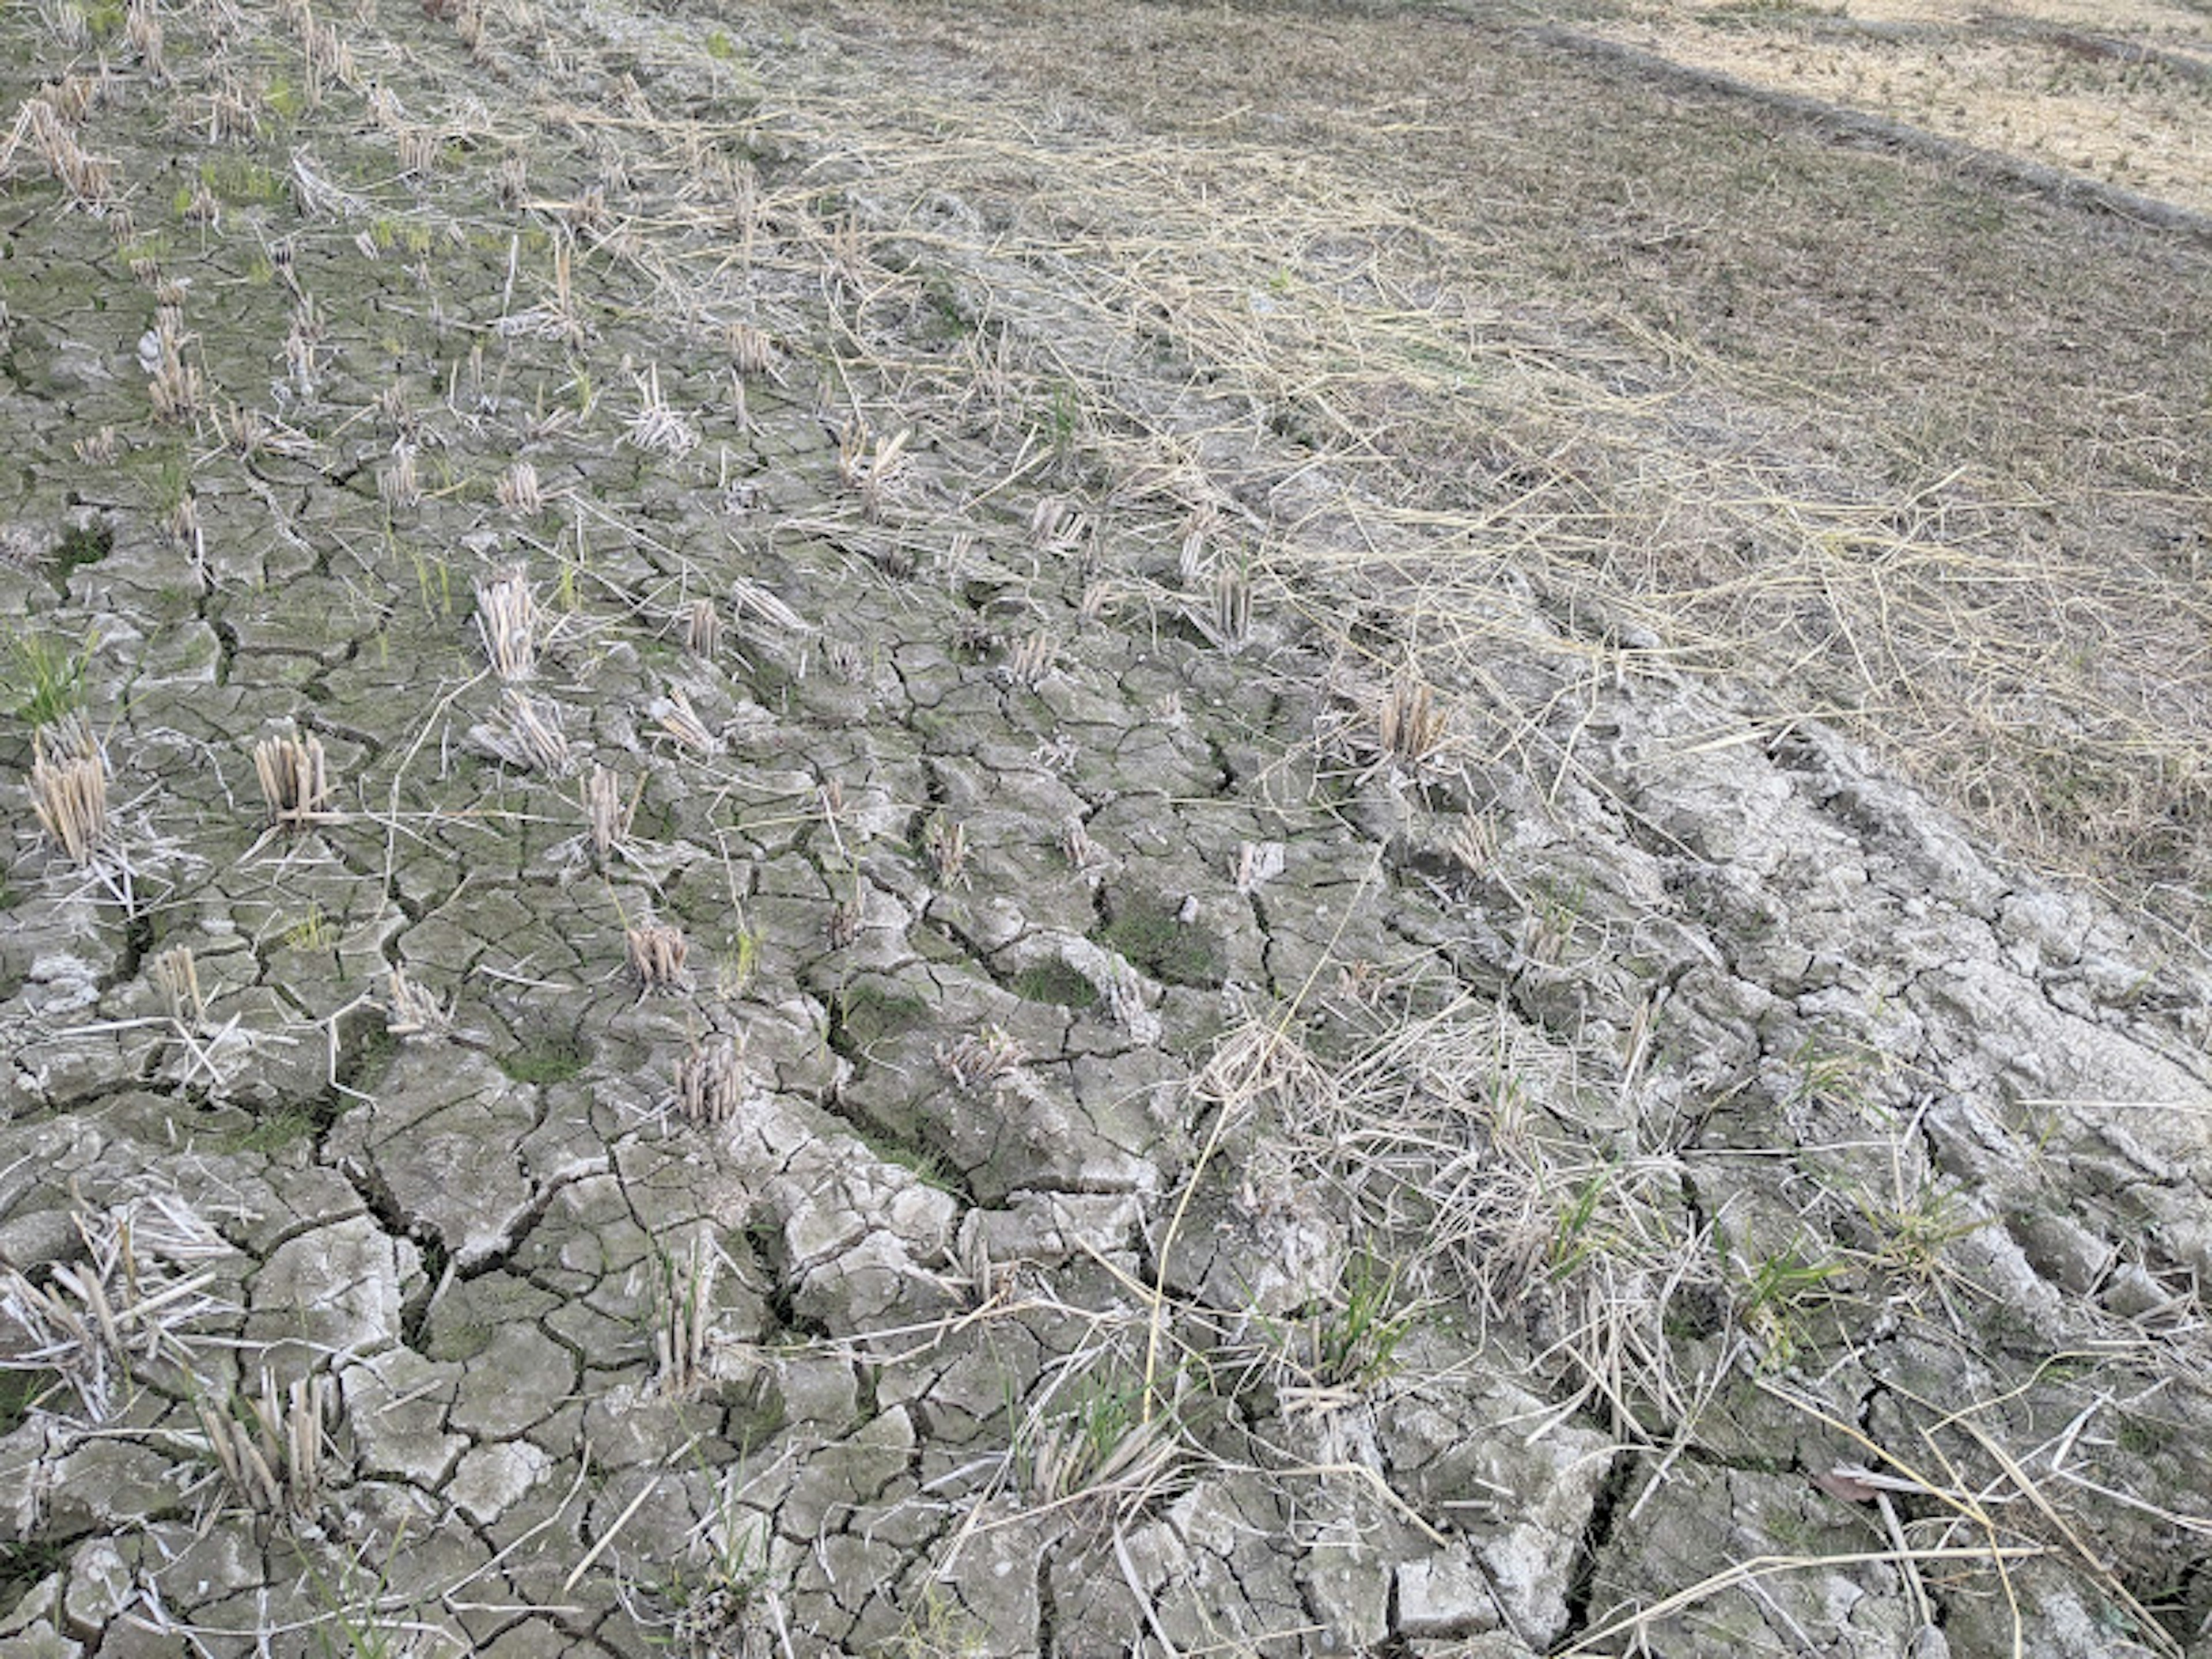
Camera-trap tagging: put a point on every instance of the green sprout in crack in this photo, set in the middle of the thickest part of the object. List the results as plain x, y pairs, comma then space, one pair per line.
1779, 1296
1351, 1345
1104, 1444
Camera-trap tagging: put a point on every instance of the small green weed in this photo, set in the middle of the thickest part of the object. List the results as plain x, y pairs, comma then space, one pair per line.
312, 932
1353, 1344
717, 1601
1102, 1440
1152, 934
45, 680
1780, 1294
1054, 981
552, 1059
273, 1133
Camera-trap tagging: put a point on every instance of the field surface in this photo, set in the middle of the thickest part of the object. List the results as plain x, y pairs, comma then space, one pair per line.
1117, 828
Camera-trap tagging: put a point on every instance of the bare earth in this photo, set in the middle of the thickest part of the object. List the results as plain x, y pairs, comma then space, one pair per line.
1006, 828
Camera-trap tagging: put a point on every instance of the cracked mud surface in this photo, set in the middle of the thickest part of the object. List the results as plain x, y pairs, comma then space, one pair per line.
930, 1011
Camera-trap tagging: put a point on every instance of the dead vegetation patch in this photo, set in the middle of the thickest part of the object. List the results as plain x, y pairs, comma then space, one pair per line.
1924, 458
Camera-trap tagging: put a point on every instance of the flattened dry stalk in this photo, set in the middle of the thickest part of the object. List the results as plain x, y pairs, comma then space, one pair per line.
944, 843
99, 1320
656, 427
506, 622
685, 1295
270, 1448
519, 490
526, 731
1058, 525
410, 1011
293, 781
749, 598
176, 975
710, 1080
1409, 725
681, 721
69, 788
100, 449
604, 809
979, 1059
1474, 842
702, 628
657, 953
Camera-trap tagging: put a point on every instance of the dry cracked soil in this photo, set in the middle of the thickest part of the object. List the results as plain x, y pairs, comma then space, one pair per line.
800, 865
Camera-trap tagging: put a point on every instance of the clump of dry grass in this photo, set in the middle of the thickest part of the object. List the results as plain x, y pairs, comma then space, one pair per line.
518, 490
684, 1312
69, 787
710, 1080
703, 629
1030, 661
1408, 726
656, 427
1482, 1179
174, 386
507, 617
1083, 854
399, 485
751, 350
294, 781
270, 1447
411, 1010
1473, 842
99, 1321
176, 975
871, 464
89, 180
945, 844
657, 953
1231, 621
606, 811
526, 731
